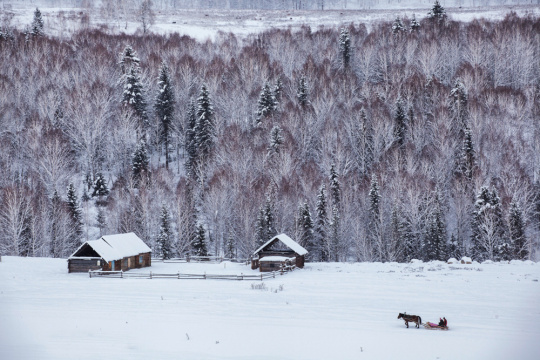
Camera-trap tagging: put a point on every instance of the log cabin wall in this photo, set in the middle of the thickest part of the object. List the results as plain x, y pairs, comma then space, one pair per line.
83, 265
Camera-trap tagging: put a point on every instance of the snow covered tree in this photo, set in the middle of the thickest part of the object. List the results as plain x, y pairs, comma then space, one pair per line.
101, 220
37, 24
164, 238
140, 163
335, 233
518, 238
128, 60
100, 186
265, 224
278, 91
459, 107
266, 104
437, 12
400, 123
164, 108
230, 246
146, 15
75, 213
320, 252
276, 141
205, 129
134, 97
335, 187
190, 139
435, 242
467, 161
375, 236
415, 25
305, 225
397, 26
199, 242
345, 47
302, 92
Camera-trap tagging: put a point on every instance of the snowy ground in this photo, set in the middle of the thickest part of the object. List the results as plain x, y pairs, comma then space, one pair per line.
326, 311
207, 24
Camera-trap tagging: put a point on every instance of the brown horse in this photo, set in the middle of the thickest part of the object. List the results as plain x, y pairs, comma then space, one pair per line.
412, 318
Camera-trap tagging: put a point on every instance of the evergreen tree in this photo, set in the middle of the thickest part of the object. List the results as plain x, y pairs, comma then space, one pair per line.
260, 229
164, 108
269, 219
266, 104
205, 131
397, 26
164, 238
302, 92
101, 221
335, 239
129, 59
55, 227
335, 187
75, 213
435, 243
37, 24
230, 247
190, 140
415, 25
305, 224
375, 225
140, 162
488, 232
454, 249
345, 47
467, 160
519, 241
459, 107
368, 142
276, 140
199, 242
320, 232
400, 123
278, 91
134, 97
100, 186
437, 12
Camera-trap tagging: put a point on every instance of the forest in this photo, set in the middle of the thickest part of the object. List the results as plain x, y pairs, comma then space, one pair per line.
417, 139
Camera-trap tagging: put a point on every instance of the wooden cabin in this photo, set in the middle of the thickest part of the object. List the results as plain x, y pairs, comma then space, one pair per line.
278, 252
111, 253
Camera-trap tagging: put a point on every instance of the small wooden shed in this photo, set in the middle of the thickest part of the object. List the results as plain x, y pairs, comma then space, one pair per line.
279, 251
111, 253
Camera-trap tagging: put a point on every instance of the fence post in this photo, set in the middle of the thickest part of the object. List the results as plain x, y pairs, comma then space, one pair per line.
121, 274
90, 273
179, 274
261, 276
150, 274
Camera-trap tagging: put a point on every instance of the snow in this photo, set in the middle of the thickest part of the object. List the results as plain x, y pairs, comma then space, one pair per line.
324, 311
119, 246
293, 245
276, 258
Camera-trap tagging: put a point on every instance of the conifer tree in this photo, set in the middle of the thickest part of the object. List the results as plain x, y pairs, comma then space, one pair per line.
518, 238
302, 92
335, 187
260, 229
437, 12
368, 142
375, 225
320, 230
278, 90
199, 242
100, 186
205, 131
134, 96
305, 224
397, 26
335, 239
276, 141
128, 60
164, 238
230, 246
266, 104
55, 227
101, 221
190, 140
345, 47
415, 25
75, 213
164, 108
435, 242
400, 123
269, 219
459, 107
488, 231
140, 162
37, 24
467, 160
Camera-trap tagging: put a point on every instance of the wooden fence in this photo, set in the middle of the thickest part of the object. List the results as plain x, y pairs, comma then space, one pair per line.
151, 275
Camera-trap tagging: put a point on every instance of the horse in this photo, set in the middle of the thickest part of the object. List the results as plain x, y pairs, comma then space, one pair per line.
412, 318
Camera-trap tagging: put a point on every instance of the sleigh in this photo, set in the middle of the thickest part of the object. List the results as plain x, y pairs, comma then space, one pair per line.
433, 326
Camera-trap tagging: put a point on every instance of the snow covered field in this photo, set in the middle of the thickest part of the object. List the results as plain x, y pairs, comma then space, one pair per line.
326, 311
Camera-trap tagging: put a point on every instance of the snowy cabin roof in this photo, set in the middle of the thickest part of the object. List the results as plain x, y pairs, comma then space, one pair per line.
116, 247
287, 241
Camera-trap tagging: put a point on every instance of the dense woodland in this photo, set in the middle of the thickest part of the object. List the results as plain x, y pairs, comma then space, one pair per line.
417, 139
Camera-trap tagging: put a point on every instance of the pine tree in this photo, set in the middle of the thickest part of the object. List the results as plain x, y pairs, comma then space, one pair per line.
278, 91
100, 186
164, 238
467, 160
190, 141
335, 187
518, 239
335, 239
101, 221
368, 142
205, 131
164, 108
302, 92
134, 97
75, 213
55, 221
459, 107
37, 24
305, 224
435, 242
269, 219
260, 229
129, 59
230, 247
400, 123
140, 163
320, 232
345, 47
199, 242
437, 12
276, 141
375, 225
415, 25
397, 26
266, 104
